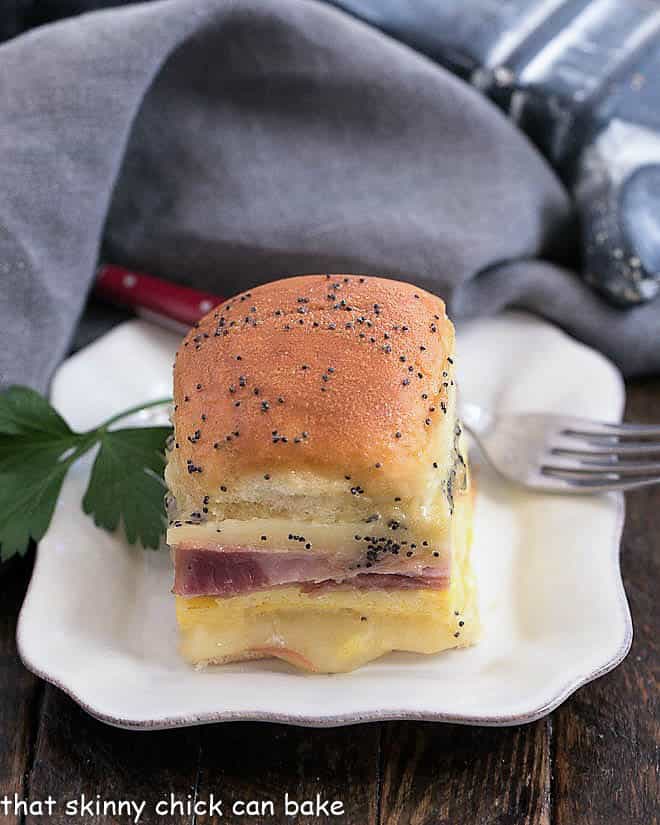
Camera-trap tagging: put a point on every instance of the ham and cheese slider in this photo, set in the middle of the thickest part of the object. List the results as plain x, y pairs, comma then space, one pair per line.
320, 504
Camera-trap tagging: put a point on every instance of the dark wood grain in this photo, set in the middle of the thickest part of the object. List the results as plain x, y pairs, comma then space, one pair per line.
74, 754
607, 735
263, 762
19, 690
450, 775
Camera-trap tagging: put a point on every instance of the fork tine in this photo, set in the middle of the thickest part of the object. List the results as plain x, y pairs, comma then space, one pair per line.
594, 484
598, 430
623, 468
592, 450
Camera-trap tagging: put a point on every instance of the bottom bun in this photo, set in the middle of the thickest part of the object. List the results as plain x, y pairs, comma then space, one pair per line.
328, 633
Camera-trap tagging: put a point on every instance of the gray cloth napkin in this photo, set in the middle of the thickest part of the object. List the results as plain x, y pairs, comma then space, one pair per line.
223, 144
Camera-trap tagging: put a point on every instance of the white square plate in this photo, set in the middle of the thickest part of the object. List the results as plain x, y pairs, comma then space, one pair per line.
98, 620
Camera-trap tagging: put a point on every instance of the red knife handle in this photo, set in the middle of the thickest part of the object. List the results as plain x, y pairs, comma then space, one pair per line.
139, 291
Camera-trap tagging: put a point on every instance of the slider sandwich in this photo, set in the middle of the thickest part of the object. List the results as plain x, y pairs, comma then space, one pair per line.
319, 496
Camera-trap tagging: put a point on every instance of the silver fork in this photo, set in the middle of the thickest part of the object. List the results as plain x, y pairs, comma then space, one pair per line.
562, 454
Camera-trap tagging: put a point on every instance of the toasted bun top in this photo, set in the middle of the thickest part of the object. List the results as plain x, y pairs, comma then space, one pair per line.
343, 376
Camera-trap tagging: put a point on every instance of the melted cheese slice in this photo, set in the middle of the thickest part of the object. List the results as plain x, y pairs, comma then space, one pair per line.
346, 542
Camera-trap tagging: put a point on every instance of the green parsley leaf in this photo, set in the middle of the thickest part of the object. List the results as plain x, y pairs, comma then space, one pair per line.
30, 482
23, 411
127, 484
37, 447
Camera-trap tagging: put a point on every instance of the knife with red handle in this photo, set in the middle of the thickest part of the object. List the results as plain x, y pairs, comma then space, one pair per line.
163, 302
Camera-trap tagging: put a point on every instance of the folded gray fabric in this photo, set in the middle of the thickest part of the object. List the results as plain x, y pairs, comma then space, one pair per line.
223, 144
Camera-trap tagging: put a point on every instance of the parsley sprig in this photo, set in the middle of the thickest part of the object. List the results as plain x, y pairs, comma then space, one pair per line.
37, 448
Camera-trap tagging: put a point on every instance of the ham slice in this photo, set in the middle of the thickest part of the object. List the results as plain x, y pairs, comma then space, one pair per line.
231, 571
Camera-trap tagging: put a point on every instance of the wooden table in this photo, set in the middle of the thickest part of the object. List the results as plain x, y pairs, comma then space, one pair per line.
594, 760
